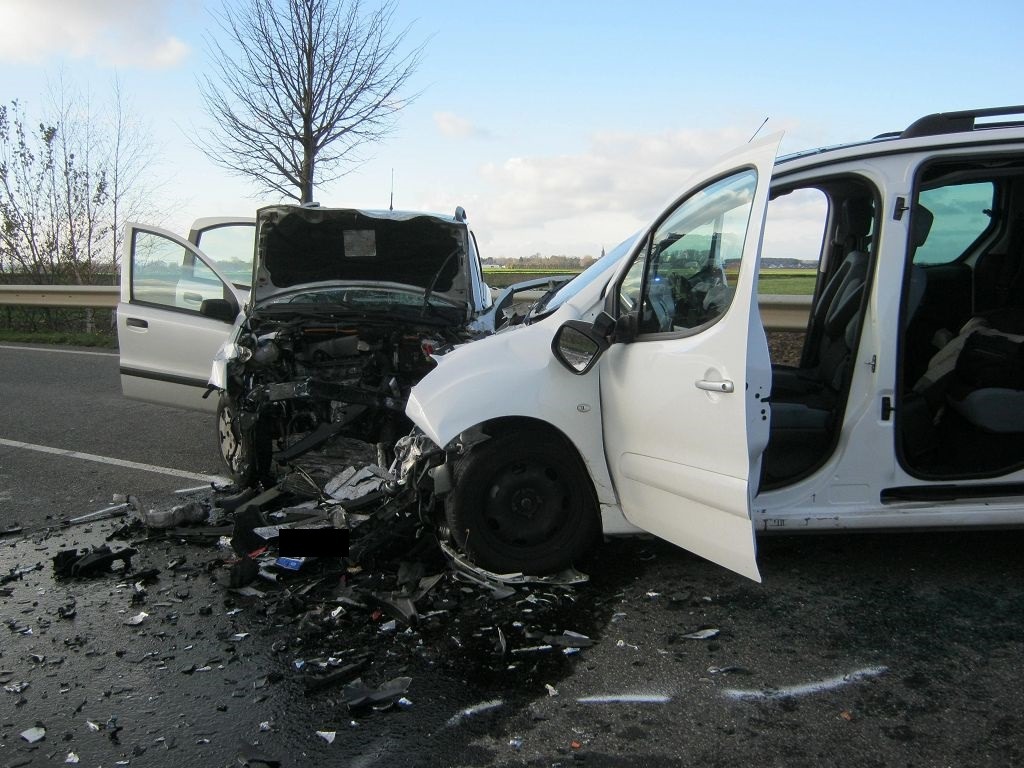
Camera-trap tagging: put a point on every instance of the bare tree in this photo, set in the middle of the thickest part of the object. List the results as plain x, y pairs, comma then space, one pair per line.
66, 184
299, 85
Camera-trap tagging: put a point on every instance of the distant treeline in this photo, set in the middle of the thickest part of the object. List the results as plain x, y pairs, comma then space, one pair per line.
546, 263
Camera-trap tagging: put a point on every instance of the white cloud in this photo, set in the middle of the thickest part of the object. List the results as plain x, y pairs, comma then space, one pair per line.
576, 204
127, 33
454, 126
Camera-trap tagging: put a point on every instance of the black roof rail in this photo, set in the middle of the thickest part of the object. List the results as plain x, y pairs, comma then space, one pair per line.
960, 122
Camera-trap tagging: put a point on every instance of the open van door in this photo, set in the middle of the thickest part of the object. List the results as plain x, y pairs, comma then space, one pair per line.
685, 391
176, 309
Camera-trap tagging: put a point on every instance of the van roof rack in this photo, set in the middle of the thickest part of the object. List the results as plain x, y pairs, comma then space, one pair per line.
960, 122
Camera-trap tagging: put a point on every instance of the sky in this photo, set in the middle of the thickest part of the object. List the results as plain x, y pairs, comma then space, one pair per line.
560, 126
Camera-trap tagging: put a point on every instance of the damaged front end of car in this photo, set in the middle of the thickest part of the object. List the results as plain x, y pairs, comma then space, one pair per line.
347, 312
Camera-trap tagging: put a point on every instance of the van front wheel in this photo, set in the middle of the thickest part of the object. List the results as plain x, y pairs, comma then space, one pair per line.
522, 502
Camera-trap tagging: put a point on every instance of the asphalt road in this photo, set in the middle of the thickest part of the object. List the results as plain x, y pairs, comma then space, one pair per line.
856, 650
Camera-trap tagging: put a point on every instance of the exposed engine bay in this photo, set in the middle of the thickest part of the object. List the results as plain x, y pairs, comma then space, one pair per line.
302, 378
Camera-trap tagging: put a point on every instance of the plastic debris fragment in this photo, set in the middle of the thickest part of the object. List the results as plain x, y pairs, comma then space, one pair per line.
75, 564
327, 736
701, 634
358, 694
32, 735
137, 619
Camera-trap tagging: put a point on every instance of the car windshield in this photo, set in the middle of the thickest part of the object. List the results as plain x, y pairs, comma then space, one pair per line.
599, 268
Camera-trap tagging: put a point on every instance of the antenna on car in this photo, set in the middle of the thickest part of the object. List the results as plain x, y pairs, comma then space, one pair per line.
391, 204
757, 131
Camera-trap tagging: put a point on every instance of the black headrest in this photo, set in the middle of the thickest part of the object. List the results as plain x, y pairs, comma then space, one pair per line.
856, 216
920, 224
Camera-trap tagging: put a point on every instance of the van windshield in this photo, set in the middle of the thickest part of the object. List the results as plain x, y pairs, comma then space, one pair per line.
600, 268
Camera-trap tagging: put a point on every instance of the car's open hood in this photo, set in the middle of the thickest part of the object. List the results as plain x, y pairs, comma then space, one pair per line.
307, 246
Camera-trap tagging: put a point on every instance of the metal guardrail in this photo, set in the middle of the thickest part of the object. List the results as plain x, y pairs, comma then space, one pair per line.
779, 313
60, 295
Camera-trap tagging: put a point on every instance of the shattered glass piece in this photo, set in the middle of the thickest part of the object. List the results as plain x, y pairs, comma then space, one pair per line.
701, 634
532, 649
327, 736
137, 619
552, 691
16, 687
32, 735
94, 727
71, 758
569, 639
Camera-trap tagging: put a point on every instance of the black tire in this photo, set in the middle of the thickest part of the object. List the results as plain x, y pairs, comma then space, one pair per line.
522, 501
236, 446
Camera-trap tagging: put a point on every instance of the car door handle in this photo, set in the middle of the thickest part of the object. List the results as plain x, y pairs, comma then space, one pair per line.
715, 386
135, 322
190, 296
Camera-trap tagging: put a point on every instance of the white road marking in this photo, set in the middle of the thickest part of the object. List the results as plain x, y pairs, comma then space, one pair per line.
473, 711
626, 698
114, 462
59, 351
806, 688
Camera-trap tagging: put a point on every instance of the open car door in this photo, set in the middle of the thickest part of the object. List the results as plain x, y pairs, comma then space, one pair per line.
176, 309
684, 399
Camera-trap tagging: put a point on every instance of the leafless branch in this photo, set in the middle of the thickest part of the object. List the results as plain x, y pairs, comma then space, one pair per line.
298, 86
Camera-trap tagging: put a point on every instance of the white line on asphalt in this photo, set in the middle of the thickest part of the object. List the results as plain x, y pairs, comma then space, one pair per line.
60, 351
473, 711
802, 690
113, 461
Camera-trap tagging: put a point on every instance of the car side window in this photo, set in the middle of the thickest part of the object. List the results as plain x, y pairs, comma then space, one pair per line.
232, 248
167, 274
962, 213
693, 258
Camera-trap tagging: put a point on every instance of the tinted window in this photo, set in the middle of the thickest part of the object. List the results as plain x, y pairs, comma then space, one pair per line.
961, 215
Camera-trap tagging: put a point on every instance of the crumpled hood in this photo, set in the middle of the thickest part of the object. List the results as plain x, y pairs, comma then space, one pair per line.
298, 246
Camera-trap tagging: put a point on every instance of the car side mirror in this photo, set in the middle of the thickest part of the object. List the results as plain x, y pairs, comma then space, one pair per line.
578, 346
218, 309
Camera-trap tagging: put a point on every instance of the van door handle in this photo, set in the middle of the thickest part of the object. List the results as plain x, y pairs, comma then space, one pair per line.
715, 386
135, 322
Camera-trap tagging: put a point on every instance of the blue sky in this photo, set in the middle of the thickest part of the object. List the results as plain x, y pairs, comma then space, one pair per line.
561, 127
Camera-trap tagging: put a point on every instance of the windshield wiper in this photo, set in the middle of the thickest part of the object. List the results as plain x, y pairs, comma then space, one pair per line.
437, 276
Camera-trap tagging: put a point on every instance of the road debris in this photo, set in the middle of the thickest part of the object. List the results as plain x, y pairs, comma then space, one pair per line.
32, 735
702, 634
82, 564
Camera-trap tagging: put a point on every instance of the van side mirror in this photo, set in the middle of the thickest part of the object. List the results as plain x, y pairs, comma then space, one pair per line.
218, 309
578, 346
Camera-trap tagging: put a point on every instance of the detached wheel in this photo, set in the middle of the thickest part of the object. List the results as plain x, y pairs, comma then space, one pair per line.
522, 501
237, 446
